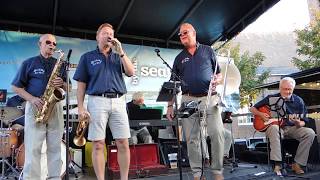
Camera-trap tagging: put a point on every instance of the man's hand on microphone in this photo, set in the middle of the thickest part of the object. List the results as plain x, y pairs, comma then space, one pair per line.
116, 46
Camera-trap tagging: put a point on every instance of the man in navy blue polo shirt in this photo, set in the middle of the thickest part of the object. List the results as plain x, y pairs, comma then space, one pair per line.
292, 128
99, 74
196, 65
30, 84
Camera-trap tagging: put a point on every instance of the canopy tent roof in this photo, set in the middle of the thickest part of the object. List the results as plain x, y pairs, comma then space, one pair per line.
147, 22
307, 79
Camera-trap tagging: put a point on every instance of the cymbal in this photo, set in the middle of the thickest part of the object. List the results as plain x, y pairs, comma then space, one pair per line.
9, 113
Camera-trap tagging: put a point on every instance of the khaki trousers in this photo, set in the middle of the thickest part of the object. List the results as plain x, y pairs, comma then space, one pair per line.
304, 135
191, 129
34, 135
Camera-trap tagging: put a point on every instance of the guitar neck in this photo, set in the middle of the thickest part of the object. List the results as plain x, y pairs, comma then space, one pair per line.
314, 115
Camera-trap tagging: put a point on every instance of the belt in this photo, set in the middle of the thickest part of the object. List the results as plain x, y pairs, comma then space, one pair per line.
199, 95
109, 95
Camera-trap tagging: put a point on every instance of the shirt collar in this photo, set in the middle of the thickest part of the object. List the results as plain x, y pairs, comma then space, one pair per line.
98, 50
197, 47
46, 60
291, 99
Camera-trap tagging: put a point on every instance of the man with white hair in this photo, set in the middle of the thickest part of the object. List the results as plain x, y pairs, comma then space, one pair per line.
141, 133
292, 127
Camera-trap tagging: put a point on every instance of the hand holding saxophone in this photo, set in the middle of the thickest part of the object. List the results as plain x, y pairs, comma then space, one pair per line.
57, 82
37, 102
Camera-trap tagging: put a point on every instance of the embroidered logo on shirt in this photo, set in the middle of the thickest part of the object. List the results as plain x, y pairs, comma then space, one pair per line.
95, 62
185, 60
38, 71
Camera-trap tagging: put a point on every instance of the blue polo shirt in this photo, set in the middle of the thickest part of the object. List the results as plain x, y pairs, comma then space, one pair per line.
295, 105
196, 70
100, 73
34, 74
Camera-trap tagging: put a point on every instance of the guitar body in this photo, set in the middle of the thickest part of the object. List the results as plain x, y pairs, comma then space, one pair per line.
259, 124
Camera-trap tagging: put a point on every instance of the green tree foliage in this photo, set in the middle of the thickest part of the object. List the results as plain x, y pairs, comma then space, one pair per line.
308, 41
247, 65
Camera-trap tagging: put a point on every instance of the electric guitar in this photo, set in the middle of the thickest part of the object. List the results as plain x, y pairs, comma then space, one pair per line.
260, 125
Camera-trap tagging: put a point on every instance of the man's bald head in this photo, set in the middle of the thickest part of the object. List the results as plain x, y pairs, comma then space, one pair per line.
187, 35
47, 45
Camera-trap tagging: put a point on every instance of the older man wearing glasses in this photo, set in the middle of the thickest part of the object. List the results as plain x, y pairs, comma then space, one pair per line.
197, 66
30, 83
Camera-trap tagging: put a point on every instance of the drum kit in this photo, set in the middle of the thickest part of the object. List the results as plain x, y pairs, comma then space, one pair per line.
8, 139
12, 149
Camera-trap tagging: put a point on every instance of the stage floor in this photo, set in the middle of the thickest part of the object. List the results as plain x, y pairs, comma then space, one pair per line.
261, 172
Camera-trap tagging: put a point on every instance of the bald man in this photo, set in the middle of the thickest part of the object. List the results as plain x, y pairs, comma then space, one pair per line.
197, 66
30, 83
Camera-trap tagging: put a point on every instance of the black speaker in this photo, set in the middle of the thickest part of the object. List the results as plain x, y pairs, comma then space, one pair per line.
171, 146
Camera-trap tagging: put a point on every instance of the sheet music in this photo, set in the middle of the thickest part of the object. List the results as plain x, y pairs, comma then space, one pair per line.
277, 105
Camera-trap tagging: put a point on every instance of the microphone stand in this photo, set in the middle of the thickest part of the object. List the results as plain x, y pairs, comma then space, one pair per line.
67, 113
175, 110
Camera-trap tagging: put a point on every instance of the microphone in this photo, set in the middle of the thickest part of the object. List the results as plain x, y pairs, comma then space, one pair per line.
157, 51
69, 54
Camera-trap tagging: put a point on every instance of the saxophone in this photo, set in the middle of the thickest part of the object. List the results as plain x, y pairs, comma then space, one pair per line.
79, 138
51, 95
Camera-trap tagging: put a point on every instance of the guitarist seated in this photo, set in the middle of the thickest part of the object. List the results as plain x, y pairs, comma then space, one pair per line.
291, 127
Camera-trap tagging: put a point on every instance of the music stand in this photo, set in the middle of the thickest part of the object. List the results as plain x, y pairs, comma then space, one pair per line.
278, 110
168, 92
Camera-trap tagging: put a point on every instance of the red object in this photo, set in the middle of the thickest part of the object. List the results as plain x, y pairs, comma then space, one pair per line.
144, 161
259, 124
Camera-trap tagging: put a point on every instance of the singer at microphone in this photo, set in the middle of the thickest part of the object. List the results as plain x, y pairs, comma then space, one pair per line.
105, 89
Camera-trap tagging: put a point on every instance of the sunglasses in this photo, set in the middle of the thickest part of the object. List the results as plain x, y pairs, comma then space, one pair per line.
50, 42
183, 33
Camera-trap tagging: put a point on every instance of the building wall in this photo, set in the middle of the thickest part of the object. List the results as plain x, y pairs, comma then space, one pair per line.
243, 131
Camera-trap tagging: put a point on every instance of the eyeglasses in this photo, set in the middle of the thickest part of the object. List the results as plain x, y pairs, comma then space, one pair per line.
50, 42
183, 33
